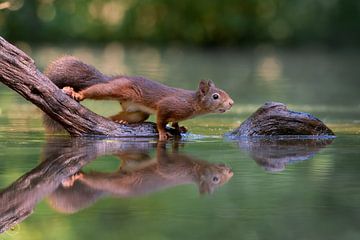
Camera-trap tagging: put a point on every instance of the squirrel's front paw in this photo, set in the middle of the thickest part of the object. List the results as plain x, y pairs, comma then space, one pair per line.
69, 182
70, 92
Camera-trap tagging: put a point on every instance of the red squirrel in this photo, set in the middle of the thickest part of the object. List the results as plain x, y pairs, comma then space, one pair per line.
139, 97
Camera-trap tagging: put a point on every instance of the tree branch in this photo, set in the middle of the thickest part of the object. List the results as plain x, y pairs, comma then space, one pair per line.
18, 71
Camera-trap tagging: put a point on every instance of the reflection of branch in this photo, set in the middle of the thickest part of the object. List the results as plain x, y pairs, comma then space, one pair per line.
275, 153
63, 158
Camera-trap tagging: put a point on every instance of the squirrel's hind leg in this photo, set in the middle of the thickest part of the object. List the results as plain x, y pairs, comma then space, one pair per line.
130, 117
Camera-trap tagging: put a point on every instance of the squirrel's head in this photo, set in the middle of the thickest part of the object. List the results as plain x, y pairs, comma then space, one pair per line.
213, 99
213, 176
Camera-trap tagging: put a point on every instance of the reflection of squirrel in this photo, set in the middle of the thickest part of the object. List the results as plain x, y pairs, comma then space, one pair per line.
139, 97
165, 171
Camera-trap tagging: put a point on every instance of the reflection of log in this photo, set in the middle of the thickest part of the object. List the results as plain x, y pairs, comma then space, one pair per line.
275, 153
63, 158
275, 119
19, 72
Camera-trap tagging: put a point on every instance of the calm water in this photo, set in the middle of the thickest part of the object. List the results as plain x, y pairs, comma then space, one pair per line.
123, 189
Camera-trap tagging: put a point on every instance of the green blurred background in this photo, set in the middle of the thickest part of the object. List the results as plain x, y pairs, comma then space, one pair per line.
304, 53
200, 23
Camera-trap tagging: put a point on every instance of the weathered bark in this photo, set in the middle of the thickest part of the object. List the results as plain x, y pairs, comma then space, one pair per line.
18, 71
274, 119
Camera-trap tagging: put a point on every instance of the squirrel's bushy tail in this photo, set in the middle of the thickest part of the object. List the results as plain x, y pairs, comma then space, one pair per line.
69, 71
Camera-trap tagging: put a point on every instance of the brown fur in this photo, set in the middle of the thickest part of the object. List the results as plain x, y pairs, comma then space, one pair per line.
138, 96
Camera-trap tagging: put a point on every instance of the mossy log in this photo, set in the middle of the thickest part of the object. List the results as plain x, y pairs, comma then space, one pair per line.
274, 119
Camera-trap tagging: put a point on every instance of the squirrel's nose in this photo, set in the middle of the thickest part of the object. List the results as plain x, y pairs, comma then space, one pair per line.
231, 102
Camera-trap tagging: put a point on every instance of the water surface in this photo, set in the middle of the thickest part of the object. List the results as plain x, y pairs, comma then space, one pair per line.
298, 189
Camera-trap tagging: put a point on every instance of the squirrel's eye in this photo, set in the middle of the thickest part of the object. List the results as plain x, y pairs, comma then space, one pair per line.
215, 179
215, 96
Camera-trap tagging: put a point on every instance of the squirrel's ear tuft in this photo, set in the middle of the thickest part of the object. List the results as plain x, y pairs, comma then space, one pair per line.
211, 83
204, 87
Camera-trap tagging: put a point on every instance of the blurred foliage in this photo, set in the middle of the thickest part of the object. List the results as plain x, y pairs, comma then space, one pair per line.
201, 22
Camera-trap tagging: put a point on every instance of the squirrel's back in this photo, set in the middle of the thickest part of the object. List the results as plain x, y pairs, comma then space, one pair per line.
69, 71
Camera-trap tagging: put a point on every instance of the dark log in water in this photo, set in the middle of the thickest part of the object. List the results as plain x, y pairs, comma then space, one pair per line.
18, 71
274, 119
